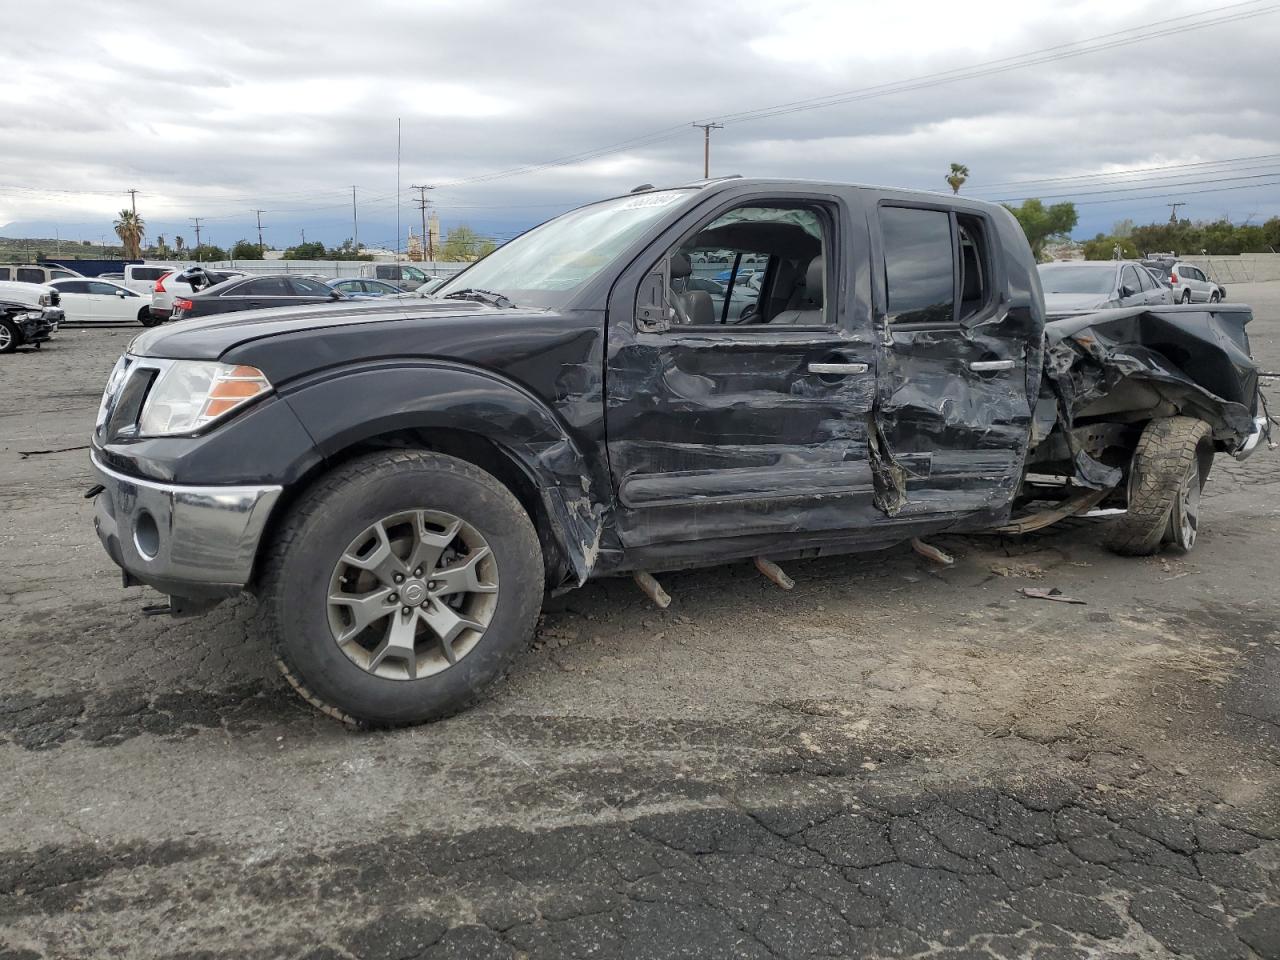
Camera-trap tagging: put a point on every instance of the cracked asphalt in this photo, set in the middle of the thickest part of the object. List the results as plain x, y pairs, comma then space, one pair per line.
892, 760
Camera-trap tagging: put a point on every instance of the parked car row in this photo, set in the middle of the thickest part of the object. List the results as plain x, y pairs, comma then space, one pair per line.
29, 314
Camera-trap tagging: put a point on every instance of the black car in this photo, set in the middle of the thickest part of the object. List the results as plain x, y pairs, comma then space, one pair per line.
400, 483
255, 293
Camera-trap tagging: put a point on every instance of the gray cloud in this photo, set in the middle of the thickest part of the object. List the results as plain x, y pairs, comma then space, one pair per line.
284, 106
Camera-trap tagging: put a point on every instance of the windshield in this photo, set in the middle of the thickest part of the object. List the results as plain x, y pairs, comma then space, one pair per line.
1078, 278
547, 265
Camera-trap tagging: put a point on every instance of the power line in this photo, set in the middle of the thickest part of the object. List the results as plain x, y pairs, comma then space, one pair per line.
1114, 173
1094, 193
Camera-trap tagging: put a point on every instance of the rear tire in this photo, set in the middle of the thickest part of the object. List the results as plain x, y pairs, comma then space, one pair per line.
1169, 467
1215, 297
356, 679
1186, 297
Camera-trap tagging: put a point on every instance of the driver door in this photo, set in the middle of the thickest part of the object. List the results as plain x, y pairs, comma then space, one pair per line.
727, 433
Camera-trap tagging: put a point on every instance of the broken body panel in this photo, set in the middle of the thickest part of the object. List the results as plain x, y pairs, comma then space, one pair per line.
639, 443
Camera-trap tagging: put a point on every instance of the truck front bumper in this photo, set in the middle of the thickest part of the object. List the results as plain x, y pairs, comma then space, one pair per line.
195, 542
1261, 427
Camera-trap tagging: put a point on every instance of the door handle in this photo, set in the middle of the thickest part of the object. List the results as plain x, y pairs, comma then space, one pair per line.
986, 366
838, 368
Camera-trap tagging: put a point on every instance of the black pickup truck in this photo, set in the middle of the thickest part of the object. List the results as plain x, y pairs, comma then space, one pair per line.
401, 482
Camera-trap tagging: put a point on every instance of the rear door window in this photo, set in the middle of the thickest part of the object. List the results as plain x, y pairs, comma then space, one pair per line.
306, 287
918, 265
265, 287
74, 286
30, 275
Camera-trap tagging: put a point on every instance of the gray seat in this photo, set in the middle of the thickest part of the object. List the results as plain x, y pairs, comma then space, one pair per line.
804, 309
693, 307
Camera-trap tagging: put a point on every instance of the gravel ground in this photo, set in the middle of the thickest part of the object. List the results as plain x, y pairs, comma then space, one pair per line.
890, 761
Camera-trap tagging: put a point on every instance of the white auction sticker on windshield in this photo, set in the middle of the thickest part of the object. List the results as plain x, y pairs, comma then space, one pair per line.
660, 199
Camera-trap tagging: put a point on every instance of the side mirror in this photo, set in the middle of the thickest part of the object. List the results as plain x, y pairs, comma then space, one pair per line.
121, 294
1125, 292
336, 295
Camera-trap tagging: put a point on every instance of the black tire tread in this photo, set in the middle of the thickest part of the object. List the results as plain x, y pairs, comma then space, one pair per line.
1165, 452
313, 501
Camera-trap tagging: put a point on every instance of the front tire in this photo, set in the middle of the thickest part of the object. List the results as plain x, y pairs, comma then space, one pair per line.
400, 586
146, 319
1186, 297
10, 335
1169, 467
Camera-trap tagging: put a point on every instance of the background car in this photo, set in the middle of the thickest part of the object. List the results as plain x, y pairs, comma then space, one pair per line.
33, 272
255, 293
362, 288
142, 277
403, 275
1190, 285
183, 283
1078, 286
94, 300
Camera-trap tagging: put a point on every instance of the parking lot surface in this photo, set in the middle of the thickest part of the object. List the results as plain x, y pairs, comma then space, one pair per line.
891, 760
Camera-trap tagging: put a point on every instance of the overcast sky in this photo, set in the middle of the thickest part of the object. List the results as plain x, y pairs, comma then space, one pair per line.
213, 112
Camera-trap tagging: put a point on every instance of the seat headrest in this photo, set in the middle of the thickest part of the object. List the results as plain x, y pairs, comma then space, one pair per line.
681, 266
813, 278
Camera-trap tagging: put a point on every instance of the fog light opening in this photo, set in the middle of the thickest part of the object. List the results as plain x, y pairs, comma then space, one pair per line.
146, 535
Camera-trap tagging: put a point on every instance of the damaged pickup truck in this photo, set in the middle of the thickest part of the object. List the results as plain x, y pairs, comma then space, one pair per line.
400, 482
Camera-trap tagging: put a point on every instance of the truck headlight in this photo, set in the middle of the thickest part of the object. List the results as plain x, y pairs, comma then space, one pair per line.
45, 300
191, 394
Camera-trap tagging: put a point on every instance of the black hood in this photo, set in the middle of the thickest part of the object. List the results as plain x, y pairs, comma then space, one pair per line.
208, 338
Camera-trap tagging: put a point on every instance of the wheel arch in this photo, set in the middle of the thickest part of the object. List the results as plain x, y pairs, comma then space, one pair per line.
475, 416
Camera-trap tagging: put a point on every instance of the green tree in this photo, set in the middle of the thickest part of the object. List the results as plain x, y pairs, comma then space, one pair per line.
313, 250
1271, 234
1042, 224
246, 250
461, 243
348, 251
1103, 247
956, 178
206, 253
130, 228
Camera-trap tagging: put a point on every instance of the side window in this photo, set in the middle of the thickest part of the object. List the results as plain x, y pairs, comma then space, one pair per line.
29, 275
976, 284
100, 288
4, 273
1144, 279
760, 263
1129, 278
306, 287
58, 274
918, 265
384, 272
74, 286
265, 287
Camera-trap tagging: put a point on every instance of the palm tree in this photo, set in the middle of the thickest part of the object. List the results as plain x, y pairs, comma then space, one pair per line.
130, 228
958, 175
179, 243
160, 244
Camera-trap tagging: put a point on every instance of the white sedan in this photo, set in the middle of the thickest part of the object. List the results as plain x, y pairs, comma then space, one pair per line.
92, 300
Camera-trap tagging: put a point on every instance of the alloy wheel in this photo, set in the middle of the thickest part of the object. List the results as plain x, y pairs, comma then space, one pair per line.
412, 594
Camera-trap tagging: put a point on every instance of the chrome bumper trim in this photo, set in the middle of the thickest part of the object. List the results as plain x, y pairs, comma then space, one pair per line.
1251, 442
205, 537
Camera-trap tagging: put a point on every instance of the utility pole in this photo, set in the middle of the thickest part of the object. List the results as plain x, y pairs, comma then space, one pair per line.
427, 252
1173, 211
304, 236
706, 145
133, 201
355, 224
196, 221
261, 246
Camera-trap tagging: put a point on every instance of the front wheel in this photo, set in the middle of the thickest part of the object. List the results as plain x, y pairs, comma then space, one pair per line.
146, 319
1186, 297
1215, 297
1169, 467
400, 586
10, 335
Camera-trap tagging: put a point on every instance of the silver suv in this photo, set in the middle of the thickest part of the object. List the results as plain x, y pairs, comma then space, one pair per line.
1190, 284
